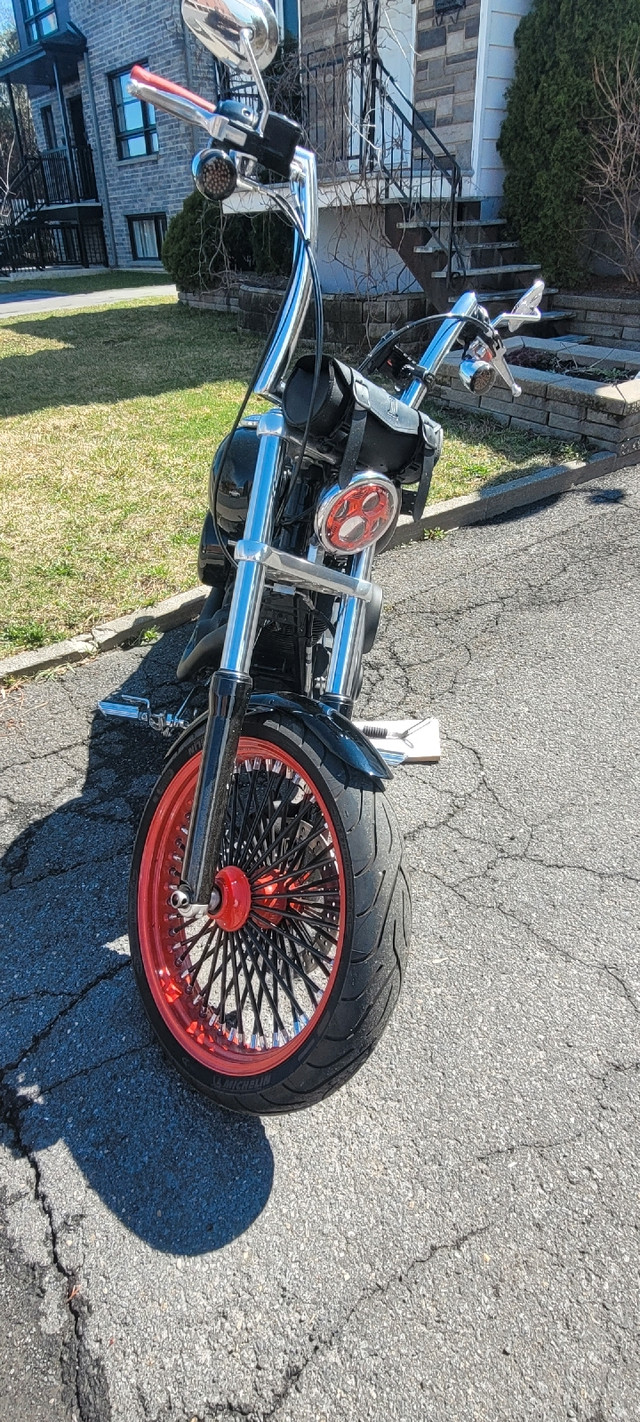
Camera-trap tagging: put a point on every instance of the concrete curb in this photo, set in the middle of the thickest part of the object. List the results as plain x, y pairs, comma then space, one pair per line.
452, 513
501, 498
172, 612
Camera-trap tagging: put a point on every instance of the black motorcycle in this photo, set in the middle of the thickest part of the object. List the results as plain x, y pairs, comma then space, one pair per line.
269, 912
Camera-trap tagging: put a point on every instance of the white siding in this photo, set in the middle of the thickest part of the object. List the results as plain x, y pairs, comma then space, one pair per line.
499, 20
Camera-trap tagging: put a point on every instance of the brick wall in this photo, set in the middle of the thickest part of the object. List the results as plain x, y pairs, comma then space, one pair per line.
445, 84
118, 34
323, 25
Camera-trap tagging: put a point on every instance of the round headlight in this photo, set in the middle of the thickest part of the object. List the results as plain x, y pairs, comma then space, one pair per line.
348, 520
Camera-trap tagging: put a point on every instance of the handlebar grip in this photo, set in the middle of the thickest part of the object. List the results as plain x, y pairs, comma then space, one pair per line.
176, 100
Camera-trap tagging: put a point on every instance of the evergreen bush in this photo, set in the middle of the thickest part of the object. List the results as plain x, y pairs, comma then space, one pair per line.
202, 242
545, 141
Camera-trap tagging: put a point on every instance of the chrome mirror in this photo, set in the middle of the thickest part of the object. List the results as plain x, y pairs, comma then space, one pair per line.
526, 309
234, 30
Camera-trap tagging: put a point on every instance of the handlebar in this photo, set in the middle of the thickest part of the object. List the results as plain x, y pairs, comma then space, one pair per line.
163, 94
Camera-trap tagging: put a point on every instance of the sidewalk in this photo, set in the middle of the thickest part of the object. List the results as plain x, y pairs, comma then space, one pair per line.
24, 305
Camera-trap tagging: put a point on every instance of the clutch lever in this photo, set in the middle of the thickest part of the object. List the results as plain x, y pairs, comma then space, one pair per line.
502, 369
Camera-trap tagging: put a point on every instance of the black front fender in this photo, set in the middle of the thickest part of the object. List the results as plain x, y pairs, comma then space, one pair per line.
338, 734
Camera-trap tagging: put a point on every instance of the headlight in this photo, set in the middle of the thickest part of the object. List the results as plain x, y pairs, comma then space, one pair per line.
348, 520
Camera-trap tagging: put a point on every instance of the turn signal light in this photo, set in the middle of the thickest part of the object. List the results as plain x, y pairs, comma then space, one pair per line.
214, 174
348, 520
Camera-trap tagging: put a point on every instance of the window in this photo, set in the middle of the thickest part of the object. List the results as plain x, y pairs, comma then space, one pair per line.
135, 122
40, 19
48, 127
146, 234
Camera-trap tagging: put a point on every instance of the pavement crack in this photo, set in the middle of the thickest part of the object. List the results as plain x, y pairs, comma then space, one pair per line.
295, 1371
536, 1147
97, 1066
106, 976
80, 1371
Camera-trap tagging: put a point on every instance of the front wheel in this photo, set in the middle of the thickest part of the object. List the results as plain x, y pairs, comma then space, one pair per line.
277, 999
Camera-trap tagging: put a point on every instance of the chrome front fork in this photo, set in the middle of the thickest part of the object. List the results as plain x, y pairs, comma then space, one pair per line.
231, 685
346, 657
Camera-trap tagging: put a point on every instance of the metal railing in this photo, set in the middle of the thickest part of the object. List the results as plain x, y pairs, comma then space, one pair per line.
419, 166
360, 124
54, 177
41, 242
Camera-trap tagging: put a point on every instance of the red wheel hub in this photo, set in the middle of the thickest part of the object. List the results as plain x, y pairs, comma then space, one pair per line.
271, 896
236, 899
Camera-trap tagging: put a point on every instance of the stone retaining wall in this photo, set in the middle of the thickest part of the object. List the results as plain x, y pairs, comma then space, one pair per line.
606, 320
553, 405
351, 323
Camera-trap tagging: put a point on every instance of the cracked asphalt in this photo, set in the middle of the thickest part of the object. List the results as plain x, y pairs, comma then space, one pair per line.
453, 1236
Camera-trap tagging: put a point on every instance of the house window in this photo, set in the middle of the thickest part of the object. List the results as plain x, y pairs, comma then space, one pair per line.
40, 19
135, 122
146, 234
48, 127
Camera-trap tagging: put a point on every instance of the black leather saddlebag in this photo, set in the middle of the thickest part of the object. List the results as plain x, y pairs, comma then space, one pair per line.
369, 426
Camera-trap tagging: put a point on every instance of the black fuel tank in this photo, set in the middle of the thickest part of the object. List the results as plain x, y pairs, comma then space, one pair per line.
232, 501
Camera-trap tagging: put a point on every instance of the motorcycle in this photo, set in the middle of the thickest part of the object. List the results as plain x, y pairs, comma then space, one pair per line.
269, 911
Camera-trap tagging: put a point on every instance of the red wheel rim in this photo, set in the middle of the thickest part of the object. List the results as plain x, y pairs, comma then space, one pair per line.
242, 1002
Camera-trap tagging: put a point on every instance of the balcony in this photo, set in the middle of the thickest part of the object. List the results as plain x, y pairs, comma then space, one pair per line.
55, 177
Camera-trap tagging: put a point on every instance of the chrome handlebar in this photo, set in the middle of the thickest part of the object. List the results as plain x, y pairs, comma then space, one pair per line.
303, 201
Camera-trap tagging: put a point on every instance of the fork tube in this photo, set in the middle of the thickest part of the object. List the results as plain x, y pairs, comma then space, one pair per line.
442, 343
346, 657
231, 684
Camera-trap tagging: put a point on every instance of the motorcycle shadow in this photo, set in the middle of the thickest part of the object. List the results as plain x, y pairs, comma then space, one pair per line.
83, 1071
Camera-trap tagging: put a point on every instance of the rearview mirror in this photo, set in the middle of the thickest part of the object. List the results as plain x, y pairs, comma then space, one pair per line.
526, 309
226, 27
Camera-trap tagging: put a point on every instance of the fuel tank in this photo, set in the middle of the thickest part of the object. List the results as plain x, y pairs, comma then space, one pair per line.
231, 502
234, 490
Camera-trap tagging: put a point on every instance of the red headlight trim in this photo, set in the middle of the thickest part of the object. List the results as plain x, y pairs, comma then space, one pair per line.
348, 520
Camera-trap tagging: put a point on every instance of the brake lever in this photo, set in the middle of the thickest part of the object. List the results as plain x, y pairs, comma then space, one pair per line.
502, 369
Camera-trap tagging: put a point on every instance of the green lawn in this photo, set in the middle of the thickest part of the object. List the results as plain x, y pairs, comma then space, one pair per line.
93, 281
110, 419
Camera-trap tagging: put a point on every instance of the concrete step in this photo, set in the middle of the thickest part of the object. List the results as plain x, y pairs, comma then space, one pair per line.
492, 271
485, 256
504, 298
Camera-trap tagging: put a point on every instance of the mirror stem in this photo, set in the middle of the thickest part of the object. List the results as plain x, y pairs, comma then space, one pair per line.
246, 37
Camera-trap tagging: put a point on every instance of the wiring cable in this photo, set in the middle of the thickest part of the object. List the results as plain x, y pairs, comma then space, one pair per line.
319, 341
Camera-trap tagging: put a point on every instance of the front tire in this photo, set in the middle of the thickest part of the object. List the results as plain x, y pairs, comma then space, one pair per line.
280, 998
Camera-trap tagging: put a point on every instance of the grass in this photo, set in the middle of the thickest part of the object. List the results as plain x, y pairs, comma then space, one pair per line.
110, 419
93, 281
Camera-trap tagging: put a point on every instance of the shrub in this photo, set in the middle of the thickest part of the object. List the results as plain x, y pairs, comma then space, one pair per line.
545, 141
202, 242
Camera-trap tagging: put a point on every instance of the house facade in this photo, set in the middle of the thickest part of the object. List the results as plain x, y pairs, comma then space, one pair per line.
110, 172
403, 101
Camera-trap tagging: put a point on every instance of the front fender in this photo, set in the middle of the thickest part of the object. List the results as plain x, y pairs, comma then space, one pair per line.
336, 732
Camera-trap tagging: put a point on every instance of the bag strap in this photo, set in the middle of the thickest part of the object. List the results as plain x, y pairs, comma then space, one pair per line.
422, 491
353, 445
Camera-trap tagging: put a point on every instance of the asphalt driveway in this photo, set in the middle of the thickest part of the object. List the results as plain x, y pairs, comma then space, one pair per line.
456, 1234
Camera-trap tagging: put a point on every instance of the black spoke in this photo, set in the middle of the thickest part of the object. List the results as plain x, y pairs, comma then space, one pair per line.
254, 977
247, 837
298, 849
278, 980
278, 812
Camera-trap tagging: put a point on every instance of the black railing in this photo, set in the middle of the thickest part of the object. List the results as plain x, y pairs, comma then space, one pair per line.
358, 121
40, 242
53, 178
419, 166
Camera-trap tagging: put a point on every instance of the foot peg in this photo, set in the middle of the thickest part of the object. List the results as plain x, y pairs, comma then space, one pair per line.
138, 709
400, 742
